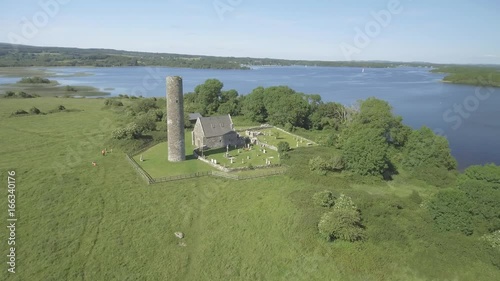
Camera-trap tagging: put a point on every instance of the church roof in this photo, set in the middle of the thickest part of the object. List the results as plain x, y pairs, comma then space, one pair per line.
216, 125
194, 116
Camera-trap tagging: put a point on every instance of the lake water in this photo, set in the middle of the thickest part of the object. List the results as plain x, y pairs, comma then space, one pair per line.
468, 116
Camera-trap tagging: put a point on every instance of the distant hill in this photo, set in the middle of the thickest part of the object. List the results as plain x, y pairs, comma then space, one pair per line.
23, 55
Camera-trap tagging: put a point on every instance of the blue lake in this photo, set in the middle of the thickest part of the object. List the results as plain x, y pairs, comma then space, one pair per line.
468, 116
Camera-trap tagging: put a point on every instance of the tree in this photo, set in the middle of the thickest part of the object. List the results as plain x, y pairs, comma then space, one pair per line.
254, 107
208, 95
426, 149
377, 114
343, 222
283, 148
365, 152
284, 105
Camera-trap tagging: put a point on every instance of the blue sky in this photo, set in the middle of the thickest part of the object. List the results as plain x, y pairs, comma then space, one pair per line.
443, 31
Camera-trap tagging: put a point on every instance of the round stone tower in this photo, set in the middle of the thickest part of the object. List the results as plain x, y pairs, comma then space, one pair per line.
175, 119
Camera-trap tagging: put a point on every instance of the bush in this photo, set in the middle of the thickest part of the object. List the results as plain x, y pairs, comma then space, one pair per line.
113, 102
451, 211
493, 239
324, 199
161, 126
70, 89
144, 106
9, 94
146, 122
343, 222
319, 165
34, 80
24, 95
131, 131
322, 166
19, 112
61, 108
35, 110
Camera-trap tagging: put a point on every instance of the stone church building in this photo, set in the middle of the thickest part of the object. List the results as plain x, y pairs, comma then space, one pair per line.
214, 132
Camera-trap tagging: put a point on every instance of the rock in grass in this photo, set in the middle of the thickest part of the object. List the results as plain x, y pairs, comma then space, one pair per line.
179, 234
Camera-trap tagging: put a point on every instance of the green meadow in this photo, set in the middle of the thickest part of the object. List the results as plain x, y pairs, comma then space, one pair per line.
82, 222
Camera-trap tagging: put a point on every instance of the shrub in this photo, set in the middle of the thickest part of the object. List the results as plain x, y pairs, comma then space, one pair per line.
161, 126
113, 102
324, 199
451, 211
19, 112
131, 131
61, 108
70, 89
146, 122
35, 110
9, 94
34, 80
144, 106
343, 222
319, 165
24, 95
493, 239
322, 166
289, 127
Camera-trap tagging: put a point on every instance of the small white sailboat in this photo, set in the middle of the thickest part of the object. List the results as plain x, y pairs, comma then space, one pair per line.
362, 70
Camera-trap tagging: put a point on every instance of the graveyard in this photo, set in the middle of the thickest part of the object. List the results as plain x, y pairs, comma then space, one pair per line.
273, 136
251, 156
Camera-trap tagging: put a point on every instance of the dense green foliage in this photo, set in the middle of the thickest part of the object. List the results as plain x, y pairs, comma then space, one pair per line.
343, 222
471, 75
473, 206
22, 55
34, 80
324, 198
283, 148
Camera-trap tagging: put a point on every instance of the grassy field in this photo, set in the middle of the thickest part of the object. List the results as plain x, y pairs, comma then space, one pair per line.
156, 163
79, 222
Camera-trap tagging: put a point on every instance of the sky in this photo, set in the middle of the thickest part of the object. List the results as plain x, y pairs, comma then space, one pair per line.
445, 31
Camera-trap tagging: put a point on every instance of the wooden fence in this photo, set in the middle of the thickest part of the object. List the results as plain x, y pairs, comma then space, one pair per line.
182, 177
139, 170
